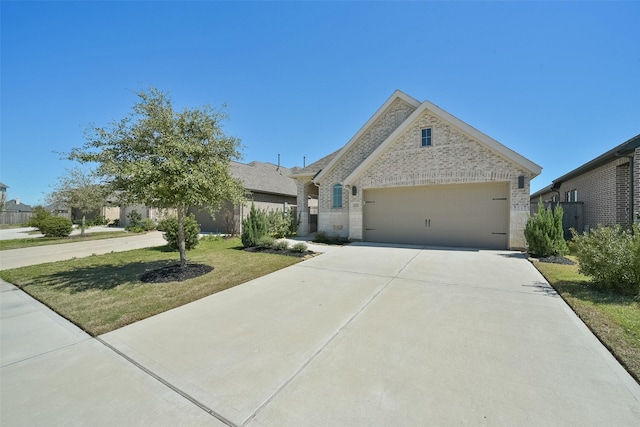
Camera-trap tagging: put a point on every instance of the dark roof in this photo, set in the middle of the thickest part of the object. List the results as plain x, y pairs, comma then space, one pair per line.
12, 206
624, 149
264, 178
315, 167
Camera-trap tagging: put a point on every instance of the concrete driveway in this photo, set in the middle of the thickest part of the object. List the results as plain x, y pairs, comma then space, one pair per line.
374, 335
362, 335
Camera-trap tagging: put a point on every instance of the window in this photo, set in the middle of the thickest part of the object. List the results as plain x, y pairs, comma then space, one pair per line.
567, 196
426, 137
337, 196
575, 195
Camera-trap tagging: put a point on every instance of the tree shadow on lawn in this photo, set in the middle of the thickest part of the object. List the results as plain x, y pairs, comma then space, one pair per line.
587, 291
103, 277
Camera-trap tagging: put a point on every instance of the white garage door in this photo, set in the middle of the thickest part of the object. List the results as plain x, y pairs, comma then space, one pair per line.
466, 215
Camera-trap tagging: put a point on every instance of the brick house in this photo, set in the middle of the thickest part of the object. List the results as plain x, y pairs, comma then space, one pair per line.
606, 190
416, 174
268, 186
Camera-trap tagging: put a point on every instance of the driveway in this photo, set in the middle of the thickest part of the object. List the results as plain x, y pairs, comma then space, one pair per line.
368, 335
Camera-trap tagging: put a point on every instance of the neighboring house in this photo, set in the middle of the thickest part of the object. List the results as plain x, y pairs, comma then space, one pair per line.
603, 191
156, 214
269, 187
416, 174
3, 195
16, 205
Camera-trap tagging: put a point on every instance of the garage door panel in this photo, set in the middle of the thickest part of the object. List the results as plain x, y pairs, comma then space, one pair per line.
474, 215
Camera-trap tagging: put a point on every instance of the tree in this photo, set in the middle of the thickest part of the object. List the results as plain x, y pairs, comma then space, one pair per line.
79, 189
166, 159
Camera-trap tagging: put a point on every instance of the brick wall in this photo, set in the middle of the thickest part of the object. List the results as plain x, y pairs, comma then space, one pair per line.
453, 158
636, 184
336, 221
598, 190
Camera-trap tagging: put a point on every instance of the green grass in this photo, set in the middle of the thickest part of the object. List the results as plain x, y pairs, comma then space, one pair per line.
44, 241
613, 318
10, 226
103, 293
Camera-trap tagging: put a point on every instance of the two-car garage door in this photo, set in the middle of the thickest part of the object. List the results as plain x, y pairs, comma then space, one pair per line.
465, 215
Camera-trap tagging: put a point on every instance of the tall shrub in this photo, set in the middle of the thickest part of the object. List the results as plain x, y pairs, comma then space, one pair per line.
40, 214
611, 257
254, 227
169, 227
544, 233
56, 226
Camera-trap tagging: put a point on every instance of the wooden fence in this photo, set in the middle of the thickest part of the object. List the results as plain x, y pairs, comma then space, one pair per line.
15, 217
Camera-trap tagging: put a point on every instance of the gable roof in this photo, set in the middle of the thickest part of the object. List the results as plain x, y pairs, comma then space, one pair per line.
484, 139
264, 178
397, 94
624, 149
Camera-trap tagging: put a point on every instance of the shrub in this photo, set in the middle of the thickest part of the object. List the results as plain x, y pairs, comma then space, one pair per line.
254, 227
544, 232
265, 242
611, 257
39, 216
148, 224
281, 245
277, 223
299, 248
169, 226
56, 226
134, 218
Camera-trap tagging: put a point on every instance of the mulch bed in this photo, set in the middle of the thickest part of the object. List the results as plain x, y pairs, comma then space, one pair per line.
556, 260
174, 273
306, 254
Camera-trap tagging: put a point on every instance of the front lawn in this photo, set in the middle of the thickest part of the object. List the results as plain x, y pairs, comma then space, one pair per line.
44, 241
613, 318
103, 293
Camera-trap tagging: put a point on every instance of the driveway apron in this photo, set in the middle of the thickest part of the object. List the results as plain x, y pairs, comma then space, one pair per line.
375, 335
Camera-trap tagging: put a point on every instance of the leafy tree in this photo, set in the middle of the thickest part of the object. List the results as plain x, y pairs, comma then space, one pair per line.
544, 232
79, 189
166, 159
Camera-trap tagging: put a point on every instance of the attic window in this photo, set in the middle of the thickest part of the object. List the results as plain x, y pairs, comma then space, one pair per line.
426, 137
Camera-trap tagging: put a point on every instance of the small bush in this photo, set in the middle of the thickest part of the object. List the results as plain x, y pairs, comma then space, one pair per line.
40, 215
134, 218
254, 227
611, 257
544, 233
299, 248
265, 242
148, 224
281, 245
56, 226
169, 226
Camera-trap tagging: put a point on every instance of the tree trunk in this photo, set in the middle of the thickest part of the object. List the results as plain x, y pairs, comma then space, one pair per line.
181, 240
82, 225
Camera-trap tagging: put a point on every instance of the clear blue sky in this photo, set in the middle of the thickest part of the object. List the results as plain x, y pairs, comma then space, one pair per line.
558, 82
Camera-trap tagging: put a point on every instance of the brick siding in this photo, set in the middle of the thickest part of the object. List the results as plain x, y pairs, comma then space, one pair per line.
453, 158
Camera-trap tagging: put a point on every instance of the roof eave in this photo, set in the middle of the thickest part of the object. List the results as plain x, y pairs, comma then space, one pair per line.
531, 167
397, 94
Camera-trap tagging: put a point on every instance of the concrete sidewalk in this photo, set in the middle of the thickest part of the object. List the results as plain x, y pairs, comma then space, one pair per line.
52, 373
15, 258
